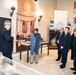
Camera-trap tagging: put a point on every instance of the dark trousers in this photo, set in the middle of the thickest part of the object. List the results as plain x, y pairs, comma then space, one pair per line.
59, 54
64, 58
75, 62
72, 54
8, 55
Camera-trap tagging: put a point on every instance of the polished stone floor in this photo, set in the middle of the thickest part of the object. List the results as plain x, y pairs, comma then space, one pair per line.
47, 64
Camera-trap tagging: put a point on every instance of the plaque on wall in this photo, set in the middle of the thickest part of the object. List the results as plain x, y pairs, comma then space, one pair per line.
2, 19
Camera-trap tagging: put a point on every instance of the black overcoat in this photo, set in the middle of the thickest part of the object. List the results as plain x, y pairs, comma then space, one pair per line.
6, 41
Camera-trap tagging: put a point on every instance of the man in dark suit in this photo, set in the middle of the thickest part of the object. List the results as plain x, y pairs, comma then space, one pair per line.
64, 46
57, 42
6, 40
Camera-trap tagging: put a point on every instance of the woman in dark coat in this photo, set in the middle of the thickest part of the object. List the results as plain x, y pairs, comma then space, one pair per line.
35, 43
74, 52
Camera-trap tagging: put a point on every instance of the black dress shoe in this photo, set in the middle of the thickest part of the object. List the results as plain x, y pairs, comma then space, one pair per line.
62, 66
72, 68
57, 59
74, 72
